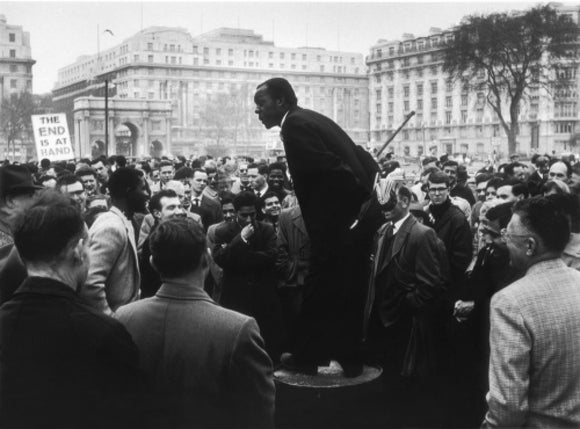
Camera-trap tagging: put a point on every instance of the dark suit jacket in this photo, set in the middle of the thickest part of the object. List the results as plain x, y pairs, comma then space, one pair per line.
210, 211
63, 364
410, 277
293, 248
329, 179
207, 365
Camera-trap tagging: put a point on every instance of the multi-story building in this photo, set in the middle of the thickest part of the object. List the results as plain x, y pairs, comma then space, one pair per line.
210, 80
407, 75
15, 67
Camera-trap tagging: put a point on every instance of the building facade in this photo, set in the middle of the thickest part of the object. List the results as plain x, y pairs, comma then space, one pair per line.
209, 81
407, 75
15, 74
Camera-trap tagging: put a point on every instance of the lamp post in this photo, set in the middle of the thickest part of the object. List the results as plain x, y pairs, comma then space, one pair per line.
107, 118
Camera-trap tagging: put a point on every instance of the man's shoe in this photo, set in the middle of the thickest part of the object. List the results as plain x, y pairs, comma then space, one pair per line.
289, 362
351, 369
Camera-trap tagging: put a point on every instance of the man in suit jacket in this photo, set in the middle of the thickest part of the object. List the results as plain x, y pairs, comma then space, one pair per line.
114, 277
206, 364
209, 209
246, 251
332, 179
534, 379
62, 364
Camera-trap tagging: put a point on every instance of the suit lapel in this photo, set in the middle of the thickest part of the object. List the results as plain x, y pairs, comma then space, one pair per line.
399, 239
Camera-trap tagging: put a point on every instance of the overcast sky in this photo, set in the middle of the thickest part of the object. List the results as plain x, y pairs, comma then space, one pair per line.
62, 31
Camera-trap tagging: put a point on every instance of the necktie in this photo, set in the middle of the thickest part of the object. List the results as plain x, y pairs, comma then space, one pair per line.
196, 200
258, 194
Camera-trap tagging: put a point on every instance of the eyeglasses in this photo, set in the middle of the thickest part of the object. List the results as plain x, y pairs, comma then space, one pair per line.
509, 236
437, 190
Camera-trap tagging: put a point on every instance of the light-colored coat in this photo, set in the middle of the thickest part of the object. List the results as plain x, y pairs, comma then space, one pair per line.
114, 277
534, 372
206, 363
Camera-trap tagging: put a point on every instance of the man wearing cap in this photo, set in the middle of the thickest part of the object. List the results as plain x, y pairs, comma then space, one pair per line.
16, 192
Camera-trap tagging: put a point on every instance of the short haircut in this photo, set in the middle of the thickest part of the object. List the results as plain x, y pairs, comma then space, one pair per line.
482, 177
45, 163
269, 194
86, 171
545, 217
121, 161
198, 170
68, 179
450, 163
462, 173
183, 173
155, 201
99, 159
165, 163
439, 177
279, 88
122, 181
509, 169
502, 213
177, 246
245, 199
429, 170
494, 183
429, 160
47, 228
404, 192
276, 166
228, 199
520, 189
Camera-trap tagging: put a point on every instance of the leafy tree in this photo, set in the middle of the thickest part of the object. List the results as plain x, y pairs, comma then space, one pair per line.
505, 55
15, 112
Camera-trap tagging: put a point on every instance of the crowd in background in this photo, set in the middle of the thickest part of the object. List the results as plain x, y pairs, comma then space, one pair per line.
242, 222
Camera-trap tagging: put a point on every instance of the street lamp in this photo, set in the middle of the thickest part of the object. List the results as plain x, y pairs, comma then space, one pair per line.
107, 118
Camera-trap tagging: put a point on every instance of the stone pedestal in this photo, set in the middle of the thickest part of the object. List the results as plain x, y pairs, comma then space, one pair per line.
325, 400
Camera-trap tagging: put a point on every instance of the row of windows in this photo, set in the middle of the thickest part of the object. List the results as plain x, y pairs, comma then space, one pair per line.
250, 53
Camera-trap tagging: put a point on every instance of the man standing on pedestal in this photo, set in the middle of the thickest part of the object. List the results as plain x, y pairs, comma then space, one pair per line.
332, 179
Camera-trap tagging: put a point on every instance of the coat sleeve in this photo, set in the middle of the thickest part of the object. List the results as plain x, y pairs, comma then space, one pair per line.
461, 250
237, 254
509, 365
252, 387
105, 244
286, 265
431, 271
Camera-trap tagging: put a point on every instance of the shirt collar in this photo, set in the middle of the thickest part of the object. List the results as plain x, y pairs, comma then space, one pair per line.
183, 291
284, 118
399, 223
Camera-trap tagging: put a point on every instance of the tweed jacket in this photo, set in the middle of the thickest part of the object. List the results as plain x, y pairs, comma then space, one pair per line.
293, 248
534, 371
114, 277
207, 364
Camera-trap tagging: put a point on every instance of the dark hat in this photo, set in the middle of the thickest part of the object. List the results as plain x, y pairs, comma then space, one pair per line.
15, 179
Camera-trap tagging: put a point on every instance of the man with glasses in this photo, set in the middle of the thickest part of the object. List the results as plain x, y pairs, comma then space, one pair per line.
453, 229
535, 325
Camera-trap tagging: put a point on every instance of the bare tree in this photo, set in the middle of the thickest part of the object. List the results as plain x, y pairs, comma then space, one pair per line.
505, 55
15, 118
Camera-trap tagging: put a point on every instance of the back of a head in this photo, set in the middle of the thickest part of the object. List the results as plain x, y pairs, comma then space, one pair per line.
546, 217
47, 228
121, 161
177, 246
123, 180
176, 186
183, 173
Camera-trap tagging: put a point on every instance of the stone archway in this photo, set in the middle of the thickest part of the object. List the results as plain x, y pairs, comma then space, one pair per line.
156, 149
97, 149
126, 136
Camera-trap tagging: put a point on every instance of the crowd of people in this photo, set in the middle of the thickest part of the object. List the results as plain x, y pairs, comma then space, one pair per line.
164, 292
